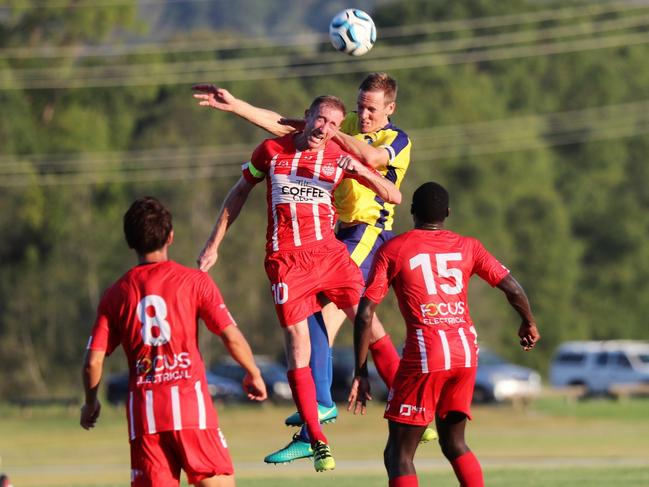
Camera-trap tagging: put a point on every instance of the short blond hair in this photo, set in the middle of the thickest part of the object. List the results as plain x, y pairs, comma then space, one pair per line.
380, 82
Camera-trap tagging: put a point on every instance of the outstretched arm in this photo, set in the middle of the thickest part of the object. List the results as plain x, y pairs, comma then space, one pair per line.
221, 99
375, 157
229, 212
239, 349
93, 366
372, 179
527, 332
360, 389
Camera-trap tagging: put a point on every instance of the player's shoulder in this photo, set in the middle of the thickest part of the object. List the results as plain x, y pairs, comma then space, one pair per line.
275, 145
396, 132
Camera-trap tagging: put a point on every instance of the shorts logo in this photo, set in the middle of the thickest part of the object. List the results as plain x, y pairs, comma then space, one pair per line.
409, 410
135, 473
280, 292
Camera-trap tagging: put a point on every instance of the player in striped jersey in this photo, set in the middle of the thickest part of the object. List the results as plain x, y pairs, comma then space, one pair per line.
429, 268
152, 311
304, 260
365, 222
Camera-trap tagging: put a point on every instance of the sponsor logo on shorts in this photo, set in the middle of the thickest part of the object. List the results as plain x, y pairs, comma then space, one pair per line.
443, 313
135, 473
409, 410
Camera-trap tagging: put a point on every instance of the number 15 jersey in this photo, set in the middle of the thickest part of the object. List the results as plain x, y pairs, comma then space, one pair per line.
430, 272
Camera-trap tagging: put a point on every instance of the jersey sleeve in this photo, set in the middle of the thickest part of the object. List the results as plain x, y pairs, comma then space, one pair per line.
105, 335
212, 310
380, 277
256, 169
487, 266
397, 143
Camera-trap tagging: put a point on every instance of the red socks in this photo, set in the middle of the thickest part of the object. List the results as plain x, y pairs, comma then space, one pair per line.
303, 389
468, 471
385, 358
404, 481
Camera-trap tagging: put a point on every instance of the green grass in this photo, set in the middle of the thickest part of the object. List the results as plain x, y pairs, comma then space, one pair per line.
594, 443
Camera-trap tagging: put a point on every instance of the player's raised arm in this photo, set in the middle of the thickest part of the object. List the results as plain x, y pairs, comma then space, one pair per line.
221, 99
375, 157
372, 179
93, 366
239, 349
229, 212
527, 332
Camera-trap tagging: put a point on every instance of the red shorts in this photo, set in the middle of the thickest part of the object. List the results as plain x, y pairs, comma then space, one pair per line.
415, 398
157, 459
298, 276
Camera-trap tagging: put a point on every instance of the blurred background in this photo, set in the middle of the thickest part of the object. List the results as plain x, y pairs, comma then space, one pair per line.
534, 114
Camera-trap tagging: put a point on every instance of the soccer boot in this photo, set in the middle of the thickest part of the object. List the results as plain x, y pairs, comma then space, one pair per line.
429, 434
295, 450
322, 459
325, 415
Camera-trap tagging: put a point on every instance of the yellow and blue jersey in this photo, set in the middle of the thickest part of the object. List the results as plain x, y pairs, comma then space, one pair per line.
356, 203
370, 216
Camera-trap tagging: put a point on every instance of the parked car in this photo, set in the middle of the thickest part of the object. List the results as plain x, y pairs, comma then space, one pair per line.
600, 365
498, 380
273, 373
220, 388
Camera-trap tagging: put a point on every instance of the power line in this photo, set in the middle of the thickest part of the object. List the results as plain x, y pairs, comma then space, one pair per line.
278, 61
212, 69
532, 132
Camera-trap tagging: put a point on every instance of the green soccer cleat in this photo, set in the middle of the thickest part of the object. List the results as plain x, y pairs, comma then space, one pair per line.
325, 415
429, 434
322, 459
295, 450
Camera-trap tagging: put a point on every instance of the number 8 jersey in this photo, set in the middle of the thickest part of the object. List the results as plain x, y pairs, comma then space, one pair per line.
153, 312
430, 272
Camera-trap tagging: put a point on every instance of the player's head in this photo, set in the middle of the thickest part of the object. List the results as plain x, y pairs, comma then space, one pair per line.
147, 225
430, 203
377, 100
323, 119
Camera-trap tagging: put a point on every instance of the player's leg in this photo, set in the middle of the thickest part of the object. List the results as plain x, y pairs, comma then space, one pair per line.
217, 481
320, 363
451, 439
298, 351
452, 412
322, 370
399, 453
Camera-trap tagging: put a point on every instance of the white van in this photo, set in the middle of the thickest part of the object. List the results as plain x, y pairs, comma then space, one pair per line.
600, 365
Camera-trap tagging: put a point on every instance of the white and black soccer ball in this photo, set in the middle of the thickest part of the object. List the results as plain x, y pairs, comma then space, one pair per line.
352, 31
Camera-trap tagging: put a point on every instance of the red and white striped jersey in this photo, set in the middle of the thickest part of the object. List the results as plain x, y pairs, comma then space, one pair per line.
430, 272
153, 312
300, 189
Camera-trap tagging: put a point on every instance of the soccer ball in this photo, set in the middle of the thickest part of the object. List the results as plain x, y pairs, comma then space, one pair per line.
352, 31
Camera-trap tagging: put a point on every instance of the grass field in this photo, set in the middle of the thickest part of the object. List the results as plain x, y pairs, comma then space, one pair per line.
550, 443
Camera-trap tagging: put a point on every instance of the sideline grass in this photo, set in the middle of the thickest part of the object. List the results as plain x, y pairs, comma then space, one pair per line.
595, 443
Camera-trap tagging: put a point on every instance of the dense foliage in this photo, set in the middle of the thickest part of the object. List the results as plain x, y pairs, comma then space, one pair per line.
541, 142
